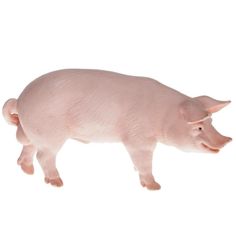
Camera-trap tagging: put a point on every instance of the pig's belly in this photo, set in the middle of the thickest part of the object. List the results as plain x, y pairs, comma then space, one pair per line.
100, 131
95, 120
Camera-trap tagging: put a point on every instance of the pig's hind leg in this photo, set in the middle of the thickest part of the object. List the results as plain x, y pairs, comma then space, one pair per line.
26, 157
47, 160
46, 156
141, 154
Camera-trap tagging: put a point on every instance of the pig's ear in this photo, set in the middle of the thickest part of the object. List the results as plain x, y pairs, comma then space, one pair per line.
211, 105
193, 112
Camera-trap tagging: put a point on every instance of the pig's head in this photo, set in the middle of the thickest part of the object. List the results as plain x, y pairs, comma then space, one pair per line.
191, 129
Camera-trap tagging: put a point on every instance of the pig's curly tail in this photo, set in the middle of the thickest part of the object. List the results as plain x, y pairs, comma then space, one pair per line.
9, 111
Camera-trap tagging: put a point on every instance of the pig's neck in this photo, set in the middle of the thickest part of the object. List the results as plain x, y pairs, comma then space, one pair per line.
168, 107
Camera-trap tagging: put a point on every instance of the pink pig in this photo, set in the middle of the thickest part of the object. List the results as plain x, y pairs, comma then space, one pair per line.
102, 106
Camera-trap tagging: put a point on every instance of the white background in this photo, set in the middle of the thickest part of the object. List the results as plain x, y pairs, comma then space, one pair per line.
188, 45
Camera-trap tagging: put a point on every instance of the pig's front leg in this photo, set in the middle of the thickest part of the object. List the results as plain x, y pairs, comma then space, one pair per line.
47, 160
26, 159
141, 156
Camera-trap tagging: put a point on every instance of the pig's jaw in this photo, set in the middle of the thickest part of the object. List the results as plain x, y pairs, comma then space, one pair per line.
210, 148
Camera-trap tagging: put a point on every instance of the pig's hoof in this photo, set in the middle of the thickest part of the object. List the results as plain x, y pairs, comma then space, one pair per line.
55, 182
151, 186
28, 169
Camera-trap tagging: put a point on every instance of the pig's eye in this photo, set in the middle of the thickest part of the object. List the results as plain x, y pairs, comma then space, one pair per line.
200, 128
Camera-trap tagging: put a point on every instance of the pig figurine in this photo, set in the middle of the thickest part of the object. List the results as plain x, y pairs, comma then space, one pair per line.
102, 106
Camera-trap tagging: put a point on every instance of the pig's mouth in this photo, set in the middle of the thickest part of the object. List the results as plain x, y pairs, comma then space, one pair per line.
209, 148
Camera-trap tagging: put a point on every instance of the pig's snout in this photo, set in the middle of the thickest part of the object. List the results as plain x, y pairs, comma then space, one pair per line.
221, 141
218, 143
225, 140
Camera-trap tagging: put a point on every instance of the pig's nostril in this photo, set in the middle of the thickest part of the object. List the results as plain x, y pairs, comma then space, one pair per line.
229, 140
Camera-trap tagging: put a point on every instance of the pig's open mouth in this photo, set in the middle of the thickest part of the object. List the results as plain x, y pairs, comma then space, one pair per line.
211, 149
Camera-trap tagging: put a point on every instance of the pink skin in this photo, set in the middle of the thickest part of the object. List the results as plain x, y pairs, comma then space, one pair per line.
101, 106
